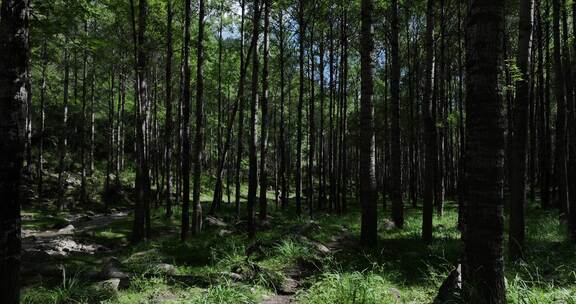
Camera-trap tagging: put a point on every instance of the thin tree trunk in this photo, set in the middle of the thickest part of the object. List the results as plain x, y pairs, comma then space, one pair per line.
263, 215
429, 129
396, 161
185, 151
253, 161
368, 191
199, 134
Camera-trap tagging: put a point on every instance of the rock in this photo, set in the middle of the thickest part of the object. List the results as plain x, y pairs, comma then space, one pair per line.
111, 284
395, 292
321, 248
67, 230
388, 225
112, 270
223, 232
166, 269
288, 287
211, 221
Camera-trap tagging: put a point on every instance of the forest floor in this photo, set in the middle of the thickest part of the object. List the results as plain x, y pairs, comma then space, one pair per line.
85, 256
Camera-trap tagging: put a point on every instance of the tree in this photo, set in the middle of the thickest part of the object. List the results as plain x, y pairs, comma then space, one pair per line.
186, 126
168, 120
299, 136
14, 52
561, 149
141, 226
429, 129
483, 265
199, 134
253, 161
264, 121
368, 193
520, 132
396, 161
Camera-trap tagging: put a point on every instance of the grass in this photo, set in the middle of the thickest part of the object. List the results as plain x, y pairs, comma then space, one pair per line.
402, 269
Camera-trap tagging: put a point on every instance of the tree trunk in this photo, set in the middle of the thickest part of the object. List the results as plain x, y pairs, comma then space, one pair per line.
299, 136
396, 161
368, 193
63, 140
520, 133
168, 119
560, 164
185, 151
199, 133
14, 52
253, 161
483, 267
141, 225
263, 215
239, 144
429, 129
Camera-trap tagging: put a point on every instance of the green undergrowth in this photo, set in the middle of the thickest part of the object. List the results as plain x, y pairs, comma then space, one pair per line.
402, 269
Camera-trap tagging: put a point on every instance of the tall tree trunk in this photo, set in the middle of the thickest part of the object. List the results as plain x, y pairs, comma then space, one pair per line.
282, 141
483, 266
561, 150
311, 128
63, 140
14, 52
168, 119
321, 158
299, 137
368, 193
429, 128
263, 215
141, 225
520, 133
185, 151
199, 133
253, 161
396, 161
241, 99
43, 87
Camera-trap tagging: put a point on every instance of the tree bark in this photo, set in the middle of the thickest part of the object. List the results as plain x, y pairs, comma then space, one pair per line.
396, 161
368, 193
483, 267
14, 59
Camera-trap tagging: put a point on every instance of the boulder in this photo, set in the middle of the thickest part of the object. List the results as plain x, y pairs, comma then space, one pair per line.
67, 230
288, 287
167, 269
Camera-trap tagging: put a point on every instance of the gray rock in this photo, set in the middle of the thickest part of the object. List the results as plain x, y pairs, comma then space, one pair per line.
67, 230
288, 287
166, 268
395, 292
223, 232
